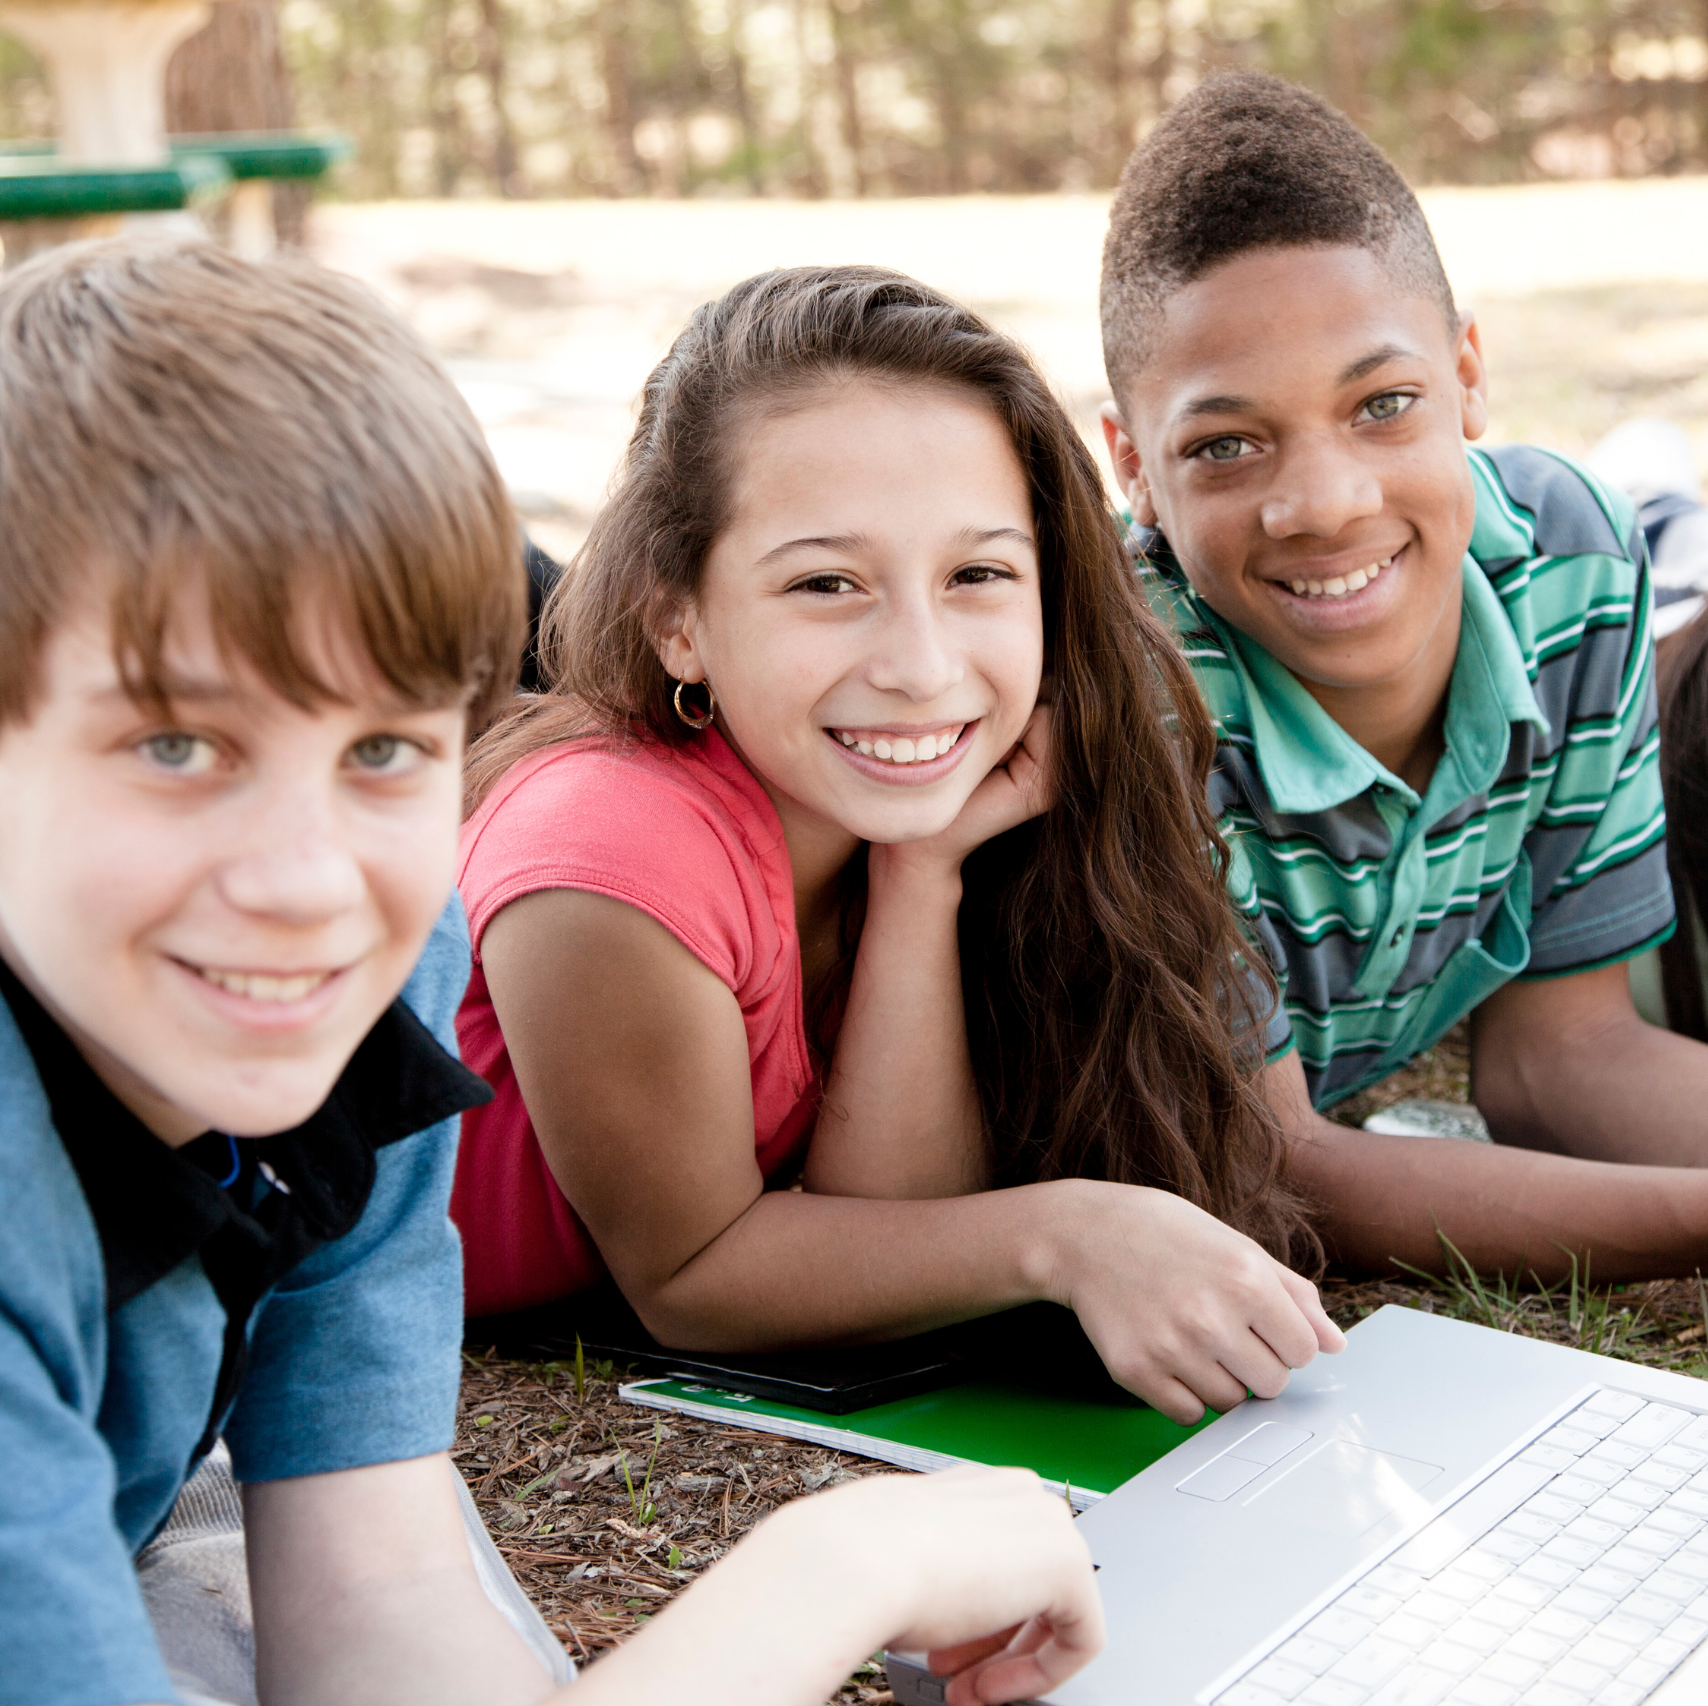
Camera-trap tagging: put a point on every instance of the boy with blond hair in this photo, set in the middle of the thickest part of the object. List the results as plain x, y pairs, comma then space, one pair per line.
260, 577
1432, 673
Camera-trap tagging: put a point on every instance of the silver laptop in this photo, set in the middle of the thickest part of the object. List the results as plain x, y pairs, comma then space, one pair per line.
1441, 1515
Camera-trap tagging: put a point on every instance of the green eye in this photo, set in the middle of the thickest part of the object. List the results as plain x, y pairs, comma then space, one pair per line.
1224, 449
1388, 406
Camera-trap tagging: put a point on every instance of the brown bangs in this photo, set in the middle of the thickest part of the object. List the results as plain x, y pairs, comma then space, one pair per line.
176, 421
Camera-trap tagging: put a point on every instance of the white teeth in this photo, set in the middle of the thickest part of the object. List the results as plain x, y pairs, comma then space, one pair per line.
904, 749
263, 986
1338, 586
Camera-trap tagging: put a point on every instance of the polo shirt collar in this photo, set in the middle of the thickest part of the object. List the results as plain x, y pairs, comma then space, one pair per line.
154, 1207
1309, 763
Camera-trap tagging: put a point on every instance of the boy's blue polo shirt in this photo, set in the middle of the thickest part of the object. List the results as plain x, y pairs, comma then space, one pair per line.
1538, 848
114, 1341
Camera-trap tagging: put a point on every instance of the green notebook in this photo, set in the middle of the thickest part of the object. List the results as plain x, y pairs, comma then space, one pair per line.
1083, 1446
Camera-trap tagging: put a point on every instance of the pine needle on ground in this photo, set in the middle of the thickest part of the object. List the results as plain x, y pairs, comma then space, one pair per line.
604, 1512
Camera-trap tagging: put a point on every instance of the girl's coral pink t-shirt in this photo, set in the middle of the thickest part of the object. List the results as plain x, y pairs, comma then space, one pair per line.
686, 834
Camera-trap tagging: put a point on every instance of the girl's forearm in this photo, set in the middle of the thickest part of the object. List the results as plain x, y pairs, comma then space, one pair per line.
901, 1114
803, 1269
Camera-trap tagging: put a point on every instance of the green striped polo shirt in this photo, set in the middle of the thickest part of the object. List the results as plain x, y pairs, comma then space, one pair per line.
1538, 848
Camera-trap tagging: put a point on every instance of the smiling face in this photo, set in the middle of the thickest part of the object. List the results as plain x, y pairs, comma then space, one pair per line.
1298, 436
870, 619
218, 903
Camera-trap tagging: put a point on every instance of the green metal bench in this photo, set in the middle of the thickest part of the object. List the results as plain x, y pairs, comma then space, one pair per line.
35, 184
266, 153
41, 187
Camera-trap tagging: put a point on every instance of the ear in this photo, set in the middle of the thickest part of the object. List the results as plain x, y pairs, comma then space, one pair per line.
677, 642
1473, 378
1129, 471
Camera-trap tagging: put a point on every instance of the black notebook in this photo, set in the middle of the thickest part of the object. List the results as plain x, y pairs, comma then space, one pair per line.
833, 1380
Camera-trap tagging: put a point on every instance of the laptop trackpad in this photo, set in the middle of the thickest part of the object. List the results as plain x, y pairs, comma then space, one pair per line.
1345, 1488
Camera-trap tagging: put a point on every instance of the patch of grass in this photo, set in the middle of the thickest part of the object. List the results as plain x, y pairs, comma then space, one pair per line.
1571, 1311
1659, 1323
645, 1511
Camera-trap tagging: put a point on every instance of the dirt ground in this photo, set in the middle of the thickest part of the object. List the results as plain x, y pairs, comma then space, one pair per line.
1593, 302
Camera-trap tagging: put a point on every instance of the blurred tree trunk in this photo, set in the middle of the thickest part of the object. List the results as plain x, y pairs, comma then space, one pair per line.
1161, 66
505, 167
231, 76
742, 96
951, 75
1342, 63
812, 175
1701, 101
1117, 45
613, 29
444, 115
842, 26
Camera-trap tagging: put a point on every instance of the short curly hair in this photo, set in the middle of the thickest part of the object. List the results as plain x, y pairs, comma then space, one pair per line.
1248, 161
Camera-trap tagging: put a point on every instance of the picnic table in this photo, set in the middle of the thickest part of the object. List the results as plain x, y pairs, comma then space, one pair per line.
113, 158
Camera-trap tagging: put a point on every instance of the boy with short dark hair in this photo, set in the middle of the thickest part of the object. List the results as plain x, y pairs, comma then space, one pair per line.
259, 576
1432, 674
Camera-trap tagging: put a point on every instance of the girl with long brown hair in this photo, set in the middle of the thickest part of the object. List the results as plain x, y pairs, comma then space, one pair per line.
860, 838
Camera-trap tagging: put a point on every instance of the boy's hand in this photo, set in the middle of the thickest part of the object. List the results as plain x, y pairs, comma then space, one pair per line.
1184, 1311
991, 1575
981, 1567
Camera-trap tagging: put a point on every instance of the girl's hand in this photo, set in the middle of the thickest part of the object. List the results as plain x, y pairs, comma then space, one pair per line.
1184, 1311
987, 1571
1016, 790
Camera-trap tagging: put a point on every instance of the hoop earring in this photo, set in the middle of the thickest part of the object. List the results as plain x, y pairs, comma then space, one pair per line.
697, 723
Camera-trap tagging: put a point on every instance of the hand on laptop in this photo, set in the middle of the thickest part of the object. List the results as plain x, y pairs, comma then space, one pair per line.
982, 1567
1184, 1311
1004, 1600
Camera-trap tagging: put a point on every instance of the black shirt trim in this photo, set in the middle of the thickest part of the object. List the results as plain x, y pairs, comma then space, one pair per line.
155, 1206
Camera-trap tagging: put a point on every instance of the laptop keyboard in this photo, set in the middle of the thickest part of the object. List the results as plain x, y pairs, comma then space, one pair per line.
1589, 1590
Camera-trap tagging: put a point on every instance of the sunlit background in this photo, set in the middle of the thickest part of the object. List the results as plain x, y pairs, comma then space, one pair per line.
546, 187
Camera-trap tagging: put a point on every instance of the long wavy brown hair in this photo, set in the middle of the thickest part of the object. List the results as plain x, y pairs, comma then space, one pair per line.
1113, 1005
